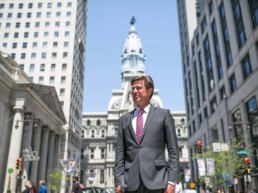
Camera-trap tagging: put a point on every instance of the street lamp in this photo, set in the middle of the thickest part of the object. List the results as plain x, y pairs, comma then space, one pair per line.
27, 120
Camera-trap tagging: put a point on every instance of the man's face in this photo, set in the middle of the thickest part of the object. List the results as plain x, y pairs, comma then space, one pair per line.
141, 95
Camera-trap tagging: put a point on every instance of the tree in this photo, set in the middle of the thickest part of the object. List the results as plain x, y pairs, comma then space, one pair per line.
55, 178
227, 164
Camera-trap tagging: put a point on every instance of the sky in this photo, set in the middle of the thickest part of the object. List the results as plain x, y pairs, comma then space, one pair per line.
108, 24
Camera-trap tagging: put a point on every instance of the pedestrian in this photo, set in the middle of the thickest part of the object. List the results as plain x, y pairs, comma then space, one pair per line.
28, 186
143, 136
76, 185
43, 188
33, 188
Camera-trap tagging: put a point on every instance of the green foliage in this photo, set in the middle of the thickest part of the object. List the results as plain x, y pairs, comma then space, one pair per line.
227, 163
55, 180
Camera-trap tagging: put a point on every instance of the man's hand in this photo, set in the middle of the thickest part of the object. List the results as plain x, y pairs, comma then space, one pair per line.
119, 189
170, 188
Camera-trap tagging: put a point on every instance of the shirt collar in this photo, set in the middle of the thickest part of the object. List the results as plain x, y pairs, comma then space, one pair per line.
146, 109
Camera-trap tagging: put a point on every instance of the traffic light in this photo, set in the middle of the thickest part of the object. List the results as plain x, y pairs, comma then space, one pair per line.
248, 166
18, 166
199, 145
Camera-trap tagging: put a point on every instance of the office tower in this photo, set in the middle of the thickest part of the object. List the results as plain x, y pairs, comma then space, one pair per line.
47, 40
220, 74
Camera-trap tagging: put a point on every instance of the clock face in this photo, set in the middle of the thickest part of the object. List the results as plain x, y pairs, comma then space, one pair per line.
117, 104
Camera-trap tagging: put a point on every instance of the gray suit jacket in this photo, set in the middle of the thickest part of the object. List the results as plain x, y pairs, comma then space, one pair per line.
146, 160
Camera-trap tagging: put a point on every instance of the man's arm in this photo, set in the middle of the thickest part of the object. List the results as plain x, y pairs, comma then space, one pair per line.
172, 148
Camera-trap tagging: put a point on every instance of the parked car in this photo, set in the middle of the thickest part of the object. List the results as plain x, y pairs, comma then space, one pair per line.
189, 191
95, 189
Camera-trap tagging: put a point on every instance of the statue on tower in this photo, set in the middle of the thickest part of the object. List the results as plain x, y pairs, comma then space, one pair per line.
133, 20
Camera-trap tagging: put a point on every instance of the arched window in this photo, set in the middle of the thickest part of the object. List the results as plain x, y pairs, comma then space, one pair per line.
98, 122
88, 122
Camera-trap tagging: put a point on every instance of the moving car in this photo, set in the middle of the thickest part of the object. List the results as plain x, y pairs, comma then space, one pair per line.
95, 189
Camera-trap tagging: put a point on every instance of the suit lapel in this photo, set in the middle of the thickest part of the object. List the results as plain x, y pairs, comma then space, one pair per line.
131, 126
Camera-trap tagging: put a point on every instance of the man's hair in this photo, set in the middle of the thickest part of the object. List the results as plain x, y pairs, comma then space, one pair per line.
42, 182
147, 80
76, 178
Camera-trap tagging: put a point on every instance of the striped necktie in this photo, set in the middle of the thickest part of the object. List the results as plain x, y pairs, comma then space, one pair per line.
139, 125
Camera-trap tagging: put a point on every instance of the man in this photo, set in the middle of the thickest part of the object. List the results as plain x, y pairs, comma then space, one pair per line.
43, 188
76, 185
143, 134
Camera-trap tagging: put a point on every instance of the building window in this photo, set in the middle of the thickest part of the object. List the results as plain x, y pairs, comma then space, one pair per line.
44, 44
23, 55
49, 5
39, 5
102, 153
46, 34
19, 15
211, 7
53, 67
47, 24
21, 66
55, 44
64, 66
34, 44
222, 92
69, 4
36, 34
66, 44
30, 5
41, 80
91, 153
32, 67
68, 14
213, 105
44, 55
67, 24
20, 5
59, 4
11, 6
6, 35
238, 22
12, 54
17, 25
178, 132
24, 45
92, 133
63, 79
65, 54
33, 55
203, 24
225, 34
54, 55
252, 109
8, 25
37, 24
9, 15
29, 15
14, 45
48, 14
57, 24
102, 177
246, 66
58, 14
56, 34
52, 80
26, 34
67, 34
42, 67
233, 83
253, 7
62, 92
38, 15
103, 133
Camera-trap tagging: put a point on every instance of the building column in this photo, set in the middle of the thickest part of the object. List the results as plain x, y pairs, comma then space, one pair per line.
36, 141
26, 144
43, 155
14, 149
57, 152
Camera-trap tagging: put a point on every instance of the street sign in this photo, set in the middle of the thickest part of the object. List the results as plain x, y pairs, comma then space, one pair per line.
216, 147
243, 152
